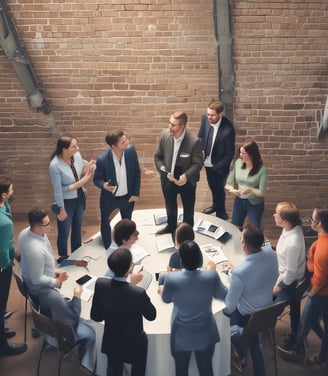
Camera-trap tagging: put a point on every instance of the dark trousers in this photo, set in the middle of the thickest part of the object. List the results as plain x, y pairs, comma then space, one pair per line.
126, 209
137, 358
72, 224
5, 281
217, 182
289, 293
187, 193
203, 360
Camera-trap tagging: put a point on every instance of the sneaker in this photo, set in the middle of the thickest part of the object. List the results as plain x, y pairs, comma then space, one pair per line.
9, 334
12, 349
291, 355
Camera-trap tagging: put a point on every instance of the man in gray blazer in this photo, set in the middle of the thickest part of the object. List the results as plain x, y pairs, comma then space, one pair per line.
178, 159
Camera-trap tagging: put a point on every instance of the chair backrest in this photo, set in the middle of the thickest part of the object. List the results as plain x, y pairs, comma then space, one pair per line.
21, 286
62, 333
263, 319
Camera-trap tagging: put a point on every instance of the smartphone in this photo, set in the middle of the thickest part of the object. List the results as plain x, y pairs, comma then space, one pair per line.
82, 280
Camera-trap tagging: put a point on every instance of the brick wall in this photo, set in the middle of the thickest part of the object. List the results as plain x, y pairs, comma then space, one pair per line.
129, 64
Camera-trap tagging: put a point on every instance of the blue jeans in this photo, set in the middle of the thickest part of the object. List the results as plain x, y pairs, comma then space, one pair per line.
73, 223
254, 344
242, 208
314, 306
289, 293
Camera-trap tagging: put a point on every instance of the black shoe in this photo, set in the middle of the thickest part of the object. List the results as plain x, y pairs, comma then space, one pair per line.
36, 333
10, 334
13, 349
209, 210
288, 342
61, 259
223, 216
165, 230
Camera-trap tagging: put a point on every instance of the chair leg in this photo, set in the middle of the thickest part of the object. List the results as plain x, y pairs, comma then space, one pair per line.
44, 345
25, 320
273, 337
59, 364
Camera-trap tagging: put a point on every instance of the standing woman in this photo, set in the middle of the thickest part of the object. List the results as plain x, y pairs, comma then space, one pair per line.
193, 326
248, 181
7, 254
68, 174
291, 261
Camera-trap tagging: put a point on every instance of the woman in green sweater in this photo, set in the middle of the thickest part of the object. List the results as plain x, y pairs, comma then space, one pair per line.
247, 181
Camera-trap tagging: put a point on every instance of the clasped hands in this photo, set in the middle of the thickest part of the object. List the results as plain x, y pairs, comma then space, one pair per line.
181, 181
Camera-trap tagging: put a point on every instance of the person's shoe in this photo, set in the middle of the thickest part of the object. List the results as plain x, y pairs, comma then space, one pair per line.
314, 360
36, 333
223, 216
209, 210
10, 334
7, 315
13, 349
165, 230
61, 259
291, 355
288, 342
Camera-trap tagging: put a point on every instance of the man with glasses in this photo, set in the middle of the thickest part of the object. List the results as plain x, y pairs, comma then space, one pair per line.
317, 302
37, 264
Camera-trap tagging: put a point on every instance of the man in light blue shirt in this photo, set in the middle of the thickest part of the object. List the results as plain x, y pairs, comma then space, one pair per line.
251, 289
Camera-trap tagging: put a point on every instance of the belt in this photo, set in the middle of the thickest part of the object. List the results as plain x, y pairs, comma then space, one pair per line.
121, 197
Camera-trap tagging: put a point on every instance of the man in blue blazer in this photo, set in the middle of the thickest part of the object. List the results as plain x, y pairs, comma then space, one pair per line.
217, 136
178, 159
118, 176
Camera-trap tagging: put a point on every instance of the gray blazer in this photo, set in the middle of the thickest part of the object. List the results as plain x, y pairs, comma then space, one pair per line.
190, 156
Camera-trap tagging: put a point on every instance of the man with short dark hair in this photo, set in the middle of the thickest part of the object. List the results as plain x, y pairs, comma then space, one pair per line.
178, 159
217, 136
317, 297
251, 289
118, 176
37, 264
123, 307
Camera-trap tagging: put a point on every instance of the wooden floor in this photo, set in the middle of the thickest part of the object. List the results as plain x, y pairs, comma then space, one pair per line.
25, 364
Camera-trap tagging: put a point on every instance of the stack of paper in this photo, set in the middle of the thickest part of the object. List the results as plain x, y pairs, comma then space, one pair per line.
164, 243
209, 229
214, 253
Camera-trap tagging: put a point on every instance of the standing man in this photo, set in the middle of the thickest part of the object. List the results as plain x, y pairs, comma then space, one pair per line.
7, 254
317, 298
118, 176
217, 136
122, 306
178, 159
251, 289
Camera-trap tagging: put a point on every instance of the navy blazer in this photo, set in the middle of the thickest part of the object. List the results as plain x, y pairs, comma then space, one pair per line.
224, 145
105, 171
122, 306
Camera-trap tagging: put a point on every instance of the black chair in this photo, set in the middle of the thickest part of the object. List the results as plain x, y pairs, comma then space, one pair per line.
264, 319
64, 335
23, 290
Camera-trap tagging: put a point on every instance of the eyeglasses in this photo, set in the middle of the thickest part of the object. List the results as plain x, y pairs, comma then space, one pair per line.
45, 224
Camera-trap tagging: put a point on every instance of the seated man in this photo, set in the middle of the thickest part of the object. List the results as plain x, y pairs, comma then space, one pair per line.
122, 306
251, 289
37, 264
67, 311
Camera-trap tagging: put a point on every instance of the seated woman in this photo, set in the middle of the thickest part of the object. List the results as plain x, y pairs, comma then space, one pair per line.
182, 233
193, 325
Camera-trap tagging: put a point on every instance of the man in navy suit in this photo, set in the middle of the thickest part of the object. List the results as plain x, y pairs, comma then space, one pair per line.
217, 136
118, 176
122, 306
178, 159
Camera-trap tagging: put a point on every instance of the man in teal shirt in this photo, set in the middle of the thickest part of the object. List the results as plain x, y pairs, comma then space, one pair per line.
7, 253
